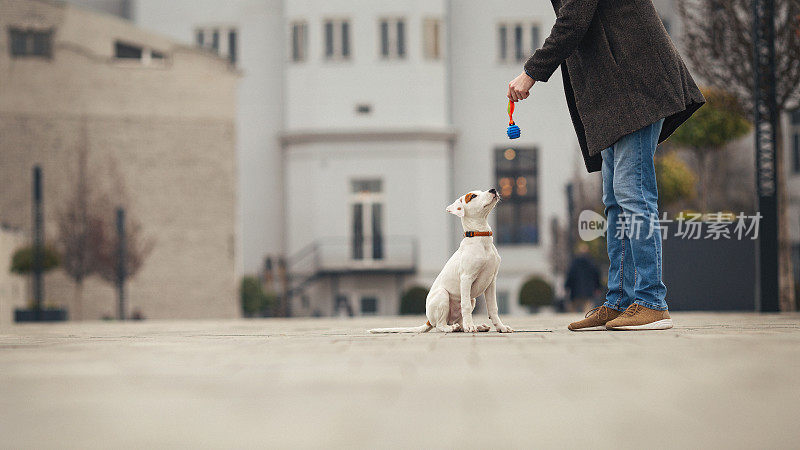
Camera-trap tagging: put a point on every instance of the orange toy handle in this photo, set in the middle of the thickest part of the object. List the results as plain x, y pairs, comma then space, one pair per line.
510, 112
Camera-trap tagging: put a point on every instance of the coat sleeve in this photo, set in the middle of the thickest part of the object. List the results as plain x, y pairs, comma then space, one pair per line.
572, 21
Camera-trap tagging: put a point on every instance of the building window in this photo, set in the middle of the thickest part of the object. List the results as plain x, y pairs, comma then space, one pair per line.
502, 41
215, 40
299, 39
369, 306
31, 42
223, 41
393, 38
432, 37
519, 50
517, 178
232, 36
367, 219
127, 51
517, 41
337, 39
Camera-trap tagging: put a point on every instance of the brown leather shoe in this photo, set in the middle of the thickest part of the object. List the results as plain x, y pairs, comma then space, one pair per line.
638, 317
595, 319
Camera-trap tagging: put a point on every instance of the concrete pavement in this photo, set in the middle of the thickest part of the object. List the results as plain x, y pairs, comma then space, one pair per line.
716, 380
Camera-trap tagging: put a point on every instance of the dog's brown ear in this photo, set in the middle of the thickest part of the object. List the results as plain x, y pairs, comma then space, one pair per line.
457, 208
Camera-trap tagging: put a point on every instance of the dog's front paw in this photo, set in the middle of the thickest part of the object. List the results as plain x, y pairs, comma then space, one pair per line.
470, 328
456, 327
504, 329
482, 328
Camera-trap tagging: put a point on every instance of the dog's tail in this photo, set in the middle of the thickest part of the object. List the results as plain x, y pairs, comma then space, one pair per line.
420, 329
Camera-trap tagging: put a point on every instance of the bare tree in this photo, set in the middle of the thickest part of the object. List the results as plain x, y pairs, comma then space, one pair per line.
80, 226
87, 228
719, 45
137, 245
137, 249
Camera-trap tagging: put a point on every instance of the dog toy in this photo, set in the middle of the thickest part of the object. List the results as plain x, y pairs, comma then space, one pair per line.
513, 130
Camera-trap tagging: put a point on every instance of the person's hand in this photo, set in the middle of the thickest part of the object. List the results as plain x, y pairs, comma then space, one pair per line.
519, 88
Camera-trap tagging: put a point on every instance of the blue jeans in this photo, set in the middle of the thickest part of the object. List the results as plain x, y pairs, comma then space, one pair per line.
634, 237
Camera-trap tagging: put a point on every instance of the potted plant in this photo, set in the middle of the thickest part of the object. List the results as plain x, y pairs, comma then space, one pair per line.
22, 264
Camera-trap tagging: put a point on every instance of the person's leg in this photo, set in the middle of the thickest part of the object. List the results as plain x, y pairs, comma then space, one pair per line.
635, 191
620, 292
620, 269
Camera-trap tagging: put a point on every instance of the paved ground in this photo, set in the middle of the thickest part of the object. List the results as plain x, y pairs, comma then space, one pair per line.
716, 380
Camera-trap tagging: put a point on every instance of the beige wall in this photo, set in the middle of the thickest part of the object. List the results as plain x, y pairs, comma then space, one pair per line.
164, 132
12, 287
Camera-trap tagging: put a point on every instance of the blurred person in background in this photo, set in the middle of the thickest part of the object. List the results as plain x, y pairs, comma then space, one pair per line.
583, 281
627, 90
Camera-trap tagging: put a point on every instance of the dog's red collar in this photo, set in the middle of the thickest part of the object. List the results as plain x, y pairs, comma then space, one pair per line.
477, 233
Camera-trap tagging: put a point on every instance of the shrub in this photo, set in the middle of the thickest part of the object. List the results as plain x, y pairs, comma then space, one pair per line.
536, 292
22, 260
255, 302
413, 301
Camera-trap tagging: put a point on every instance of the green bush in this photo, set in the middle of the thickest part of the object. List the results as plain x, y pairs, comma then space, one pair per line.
22, 260
255, 302
536, 292
721, 121
413, 301
676, 181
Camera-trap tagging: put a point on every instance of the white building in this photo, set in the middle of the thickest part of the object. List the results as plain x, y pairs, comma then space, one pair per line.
359, 121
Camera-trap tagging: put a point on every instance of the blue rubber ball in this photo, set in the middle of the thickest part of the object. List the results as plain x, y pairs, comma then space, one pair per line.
513, 132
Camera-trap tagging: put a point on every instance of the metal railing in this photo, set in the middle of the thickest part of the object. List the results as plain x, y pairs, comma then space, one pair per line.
339, 255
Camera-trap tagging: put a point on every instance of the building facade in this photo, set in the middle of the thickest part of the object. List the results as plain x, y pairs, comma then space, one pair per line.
367, 119
12, 287
396, 99
155, 120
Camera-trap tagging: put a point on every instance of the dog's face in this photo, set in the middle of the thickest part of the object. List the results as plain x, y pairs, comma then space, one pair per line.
474, 204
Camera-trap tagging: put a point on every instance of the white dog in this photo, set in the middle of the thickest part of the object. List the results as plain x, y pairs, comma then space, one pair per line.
470, 272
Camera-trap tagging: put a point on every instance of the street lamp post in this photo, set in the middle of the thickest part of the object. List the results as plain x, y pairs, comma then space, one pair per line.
766, 138
38, 243
121, 270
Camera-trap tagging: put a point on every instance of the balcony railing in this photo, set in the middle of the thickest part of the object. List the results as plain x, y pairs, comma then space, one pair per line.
339, 255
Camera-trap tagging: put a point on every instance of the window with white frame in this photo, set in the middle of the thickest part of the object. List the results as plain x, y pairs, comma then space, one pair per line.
336, 33
299, 41
222, 40
127, 51
517, 41
432, 38
392, 38
366, 208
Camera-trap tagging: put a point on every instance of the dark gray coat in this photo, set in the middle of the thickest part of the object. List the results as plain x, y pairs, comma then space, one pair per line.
621, 71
